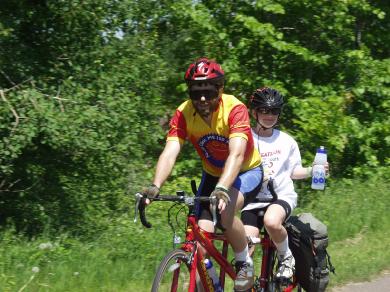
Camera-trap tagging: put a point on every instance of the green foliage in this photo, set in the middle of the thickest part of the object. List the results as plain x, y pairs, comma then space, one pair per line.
71, 149
88, 87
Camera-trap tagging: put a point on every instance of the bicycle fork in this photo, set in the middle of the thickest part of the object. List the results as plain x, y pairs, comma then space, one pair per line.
198, 272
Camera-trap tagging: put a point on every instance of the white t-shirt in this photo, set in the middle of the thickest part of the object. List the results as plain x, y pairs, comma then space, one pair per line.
280, 155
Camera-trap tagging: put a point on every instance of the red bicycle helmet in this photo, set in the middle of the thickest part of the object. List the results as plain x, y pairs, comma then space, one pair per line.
204, 70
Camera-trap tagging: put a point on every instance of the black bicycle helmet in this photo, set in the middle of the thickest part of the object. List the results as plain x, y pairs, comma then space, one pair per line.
266, 98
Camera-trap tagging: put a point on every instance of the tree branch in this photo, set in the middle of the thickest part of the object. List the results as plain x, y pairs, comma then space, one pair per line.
59, 100
7, 77
17, 85
9, 186
12, 110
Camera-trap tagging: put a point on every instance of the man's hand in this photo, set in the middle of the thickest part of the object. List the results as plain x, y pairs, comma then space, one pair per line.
151, 191
221, 193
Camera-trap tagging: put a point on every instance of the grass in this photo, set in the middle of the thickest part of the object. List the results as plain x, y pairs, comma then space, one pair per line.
356, 214
124, 258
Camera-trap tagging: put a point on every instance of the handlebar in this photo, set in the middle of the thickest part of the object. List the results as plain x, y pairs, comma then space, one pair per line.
181, 197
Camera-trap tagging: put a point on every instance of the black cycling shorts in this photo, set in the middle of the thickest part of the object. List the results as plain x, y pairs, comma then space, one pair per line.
255, 217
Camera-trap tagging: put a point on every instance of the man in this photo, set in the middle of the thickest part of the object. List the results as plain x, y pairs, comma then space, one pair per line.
218, 126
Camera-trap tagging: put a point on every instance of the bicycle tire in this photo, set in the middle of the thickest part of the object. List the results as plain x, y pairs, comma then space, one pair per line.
273, 285
173, 273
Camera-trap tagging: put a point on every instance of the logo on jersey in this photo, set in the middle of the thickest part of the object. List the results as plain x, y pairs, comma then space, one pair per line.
270, 158
215, 149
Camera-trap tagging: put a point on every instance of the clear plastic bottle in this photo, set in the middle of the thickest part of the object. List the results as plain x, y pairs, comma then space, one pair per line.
213, 275
318, 179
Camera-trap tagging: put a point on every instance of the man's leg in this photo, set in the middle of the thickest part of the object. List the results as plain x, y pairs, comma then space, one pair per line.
252, 232
234, 228
235, 233
250, 219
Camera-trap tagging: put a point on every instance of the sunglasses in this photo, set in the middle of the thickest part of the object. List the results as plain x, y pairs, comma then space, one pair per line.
274, 111
208, 94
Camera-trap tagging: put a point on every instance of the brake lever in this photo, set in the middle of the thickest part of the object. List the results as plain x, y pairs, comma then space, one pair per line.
138, 198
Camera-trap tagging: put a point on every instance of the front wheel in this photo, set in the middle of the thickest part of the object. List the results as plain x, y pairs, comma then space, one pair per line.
173, 274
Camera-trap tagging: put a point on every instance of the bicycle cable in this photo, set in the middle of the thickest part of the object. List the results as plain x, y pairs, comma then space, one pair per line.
177, 219
169, 218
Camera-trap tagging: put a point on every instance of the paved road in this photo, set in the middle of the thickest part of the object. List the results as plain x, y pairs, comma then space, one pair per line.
381, 284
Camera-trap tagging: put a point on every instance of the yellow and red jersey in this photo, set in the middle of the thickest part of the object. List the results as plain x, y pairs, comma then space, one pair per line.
231, 119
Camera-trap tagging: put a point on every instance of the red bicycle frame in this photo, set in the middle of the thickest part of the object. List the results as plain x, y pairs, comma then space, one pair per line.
194, 236
198, 239
268, 250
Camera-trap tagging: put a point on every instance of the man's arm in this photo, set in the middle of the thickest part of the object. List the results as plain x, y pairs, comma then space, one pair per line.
237, 148
166, 162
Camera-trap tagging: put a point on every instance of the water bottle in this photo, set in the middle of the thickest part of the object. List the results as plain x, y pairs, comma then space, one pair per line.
213, 275
318, 179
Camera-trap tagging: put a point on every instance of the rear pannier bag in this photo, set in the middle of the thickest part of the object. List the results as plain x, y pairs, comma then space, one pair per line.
308, 240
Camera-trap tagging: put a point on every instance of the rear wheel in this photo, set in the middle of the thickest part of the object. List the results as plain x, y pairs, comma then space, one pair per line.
273, 284
278, 285
173, 274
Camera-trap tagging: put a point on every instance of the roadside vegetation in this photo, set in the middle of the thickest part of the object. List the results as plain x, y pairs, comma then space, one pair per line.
124, 257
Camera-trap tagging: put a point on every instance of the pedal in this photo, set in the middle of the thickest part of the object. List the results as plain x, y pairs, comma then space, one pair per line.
284, 282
